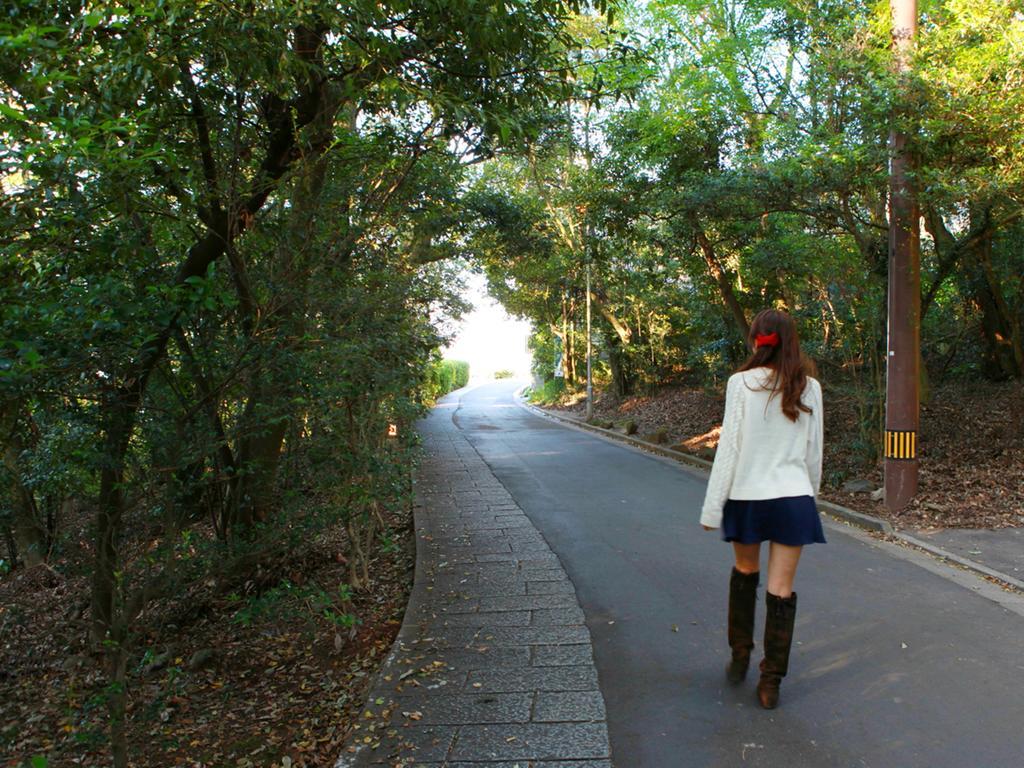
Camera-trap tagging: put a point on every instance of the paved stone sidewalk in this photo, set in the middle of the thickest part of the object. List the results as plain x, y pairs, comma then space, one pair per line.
493, 665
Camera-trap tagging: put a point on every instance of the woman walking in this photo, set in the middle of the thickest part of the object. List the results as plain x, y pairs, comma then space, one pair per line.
765, 478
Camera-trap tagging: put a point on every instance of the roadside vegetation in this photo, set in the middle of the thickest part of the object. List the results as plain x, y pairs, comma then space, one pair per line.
551, 392
230, 255
445, 376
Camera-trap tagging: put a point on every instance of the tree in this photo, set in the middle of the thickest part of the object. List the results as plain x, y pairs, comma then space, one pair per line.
201, 202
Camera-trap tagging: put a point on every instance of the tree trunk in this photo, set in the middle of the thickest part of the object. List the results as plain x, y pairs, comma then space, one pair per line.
622, 331
119, 414
724, 282
572, 352
12, 546
622, 379
252, 498
566, 344
120, 409
269, 408
28, 533
1010, 342
999, 325
562, 336
29, 536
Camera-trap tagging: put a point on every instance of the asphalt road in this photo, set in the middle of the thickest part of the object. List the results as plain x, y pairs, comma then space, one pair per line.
894, 664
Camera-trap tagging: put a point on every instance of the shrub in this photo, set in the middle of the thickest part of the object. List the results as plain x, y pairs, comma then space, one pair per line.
549, 393
445, 376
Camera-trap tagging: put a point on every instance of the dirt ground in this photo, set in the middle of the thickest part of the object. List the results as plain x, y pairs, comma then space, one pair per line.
971, 448
269, 675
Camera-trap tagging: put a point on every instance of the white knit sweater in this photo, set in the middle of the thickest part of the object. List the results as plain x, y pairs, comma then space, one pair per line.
761, 453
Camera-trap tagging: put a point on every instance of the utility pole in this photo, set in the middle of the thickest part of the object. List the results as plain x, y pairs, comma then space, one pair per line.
590, 379
902, 381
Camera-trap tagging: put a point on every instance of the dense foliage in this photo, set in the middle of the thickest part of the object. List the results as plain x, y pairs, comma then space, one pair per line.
740, 161
224, 271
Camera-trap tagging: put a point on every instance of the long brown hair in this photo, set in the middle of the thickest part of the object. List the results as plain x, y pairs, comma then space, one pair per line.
791, 368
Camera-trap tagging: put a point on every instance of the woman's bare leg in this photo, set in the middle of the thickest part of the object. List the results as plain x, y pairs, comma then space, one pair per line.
782, 562
748, 557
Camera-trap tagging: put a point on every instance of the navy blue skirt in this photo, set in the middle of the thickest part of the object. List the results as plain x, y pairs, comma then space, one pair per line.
791, 520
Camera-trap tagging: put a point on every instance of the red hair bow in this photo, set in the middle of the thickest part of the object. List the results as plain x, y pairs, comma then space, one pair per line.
766, 340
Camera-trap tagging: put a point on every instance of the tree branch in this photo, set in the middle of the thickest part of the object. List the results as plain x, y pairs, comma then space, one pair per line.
202, 134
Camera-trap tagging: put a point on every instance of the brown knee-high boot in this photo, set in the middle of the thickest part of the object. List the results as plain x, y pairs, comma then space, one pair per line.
778, 639
742, 602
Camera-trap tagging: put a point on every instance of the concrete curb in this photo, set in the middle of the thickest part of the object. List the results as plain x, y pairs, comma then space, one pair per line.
964, 562
859, 519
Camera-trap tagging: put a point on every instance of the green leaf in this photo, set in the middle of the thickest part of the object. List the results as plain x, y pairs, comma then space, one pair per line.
11, 112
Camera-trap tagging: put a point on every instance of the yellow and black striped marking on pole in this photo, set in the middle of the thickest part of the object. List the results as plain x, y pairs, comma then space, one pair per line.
900, 444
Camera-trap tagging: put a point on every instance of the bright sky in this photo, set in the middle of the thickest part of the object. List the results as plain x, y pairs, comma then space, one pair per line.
488, 338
